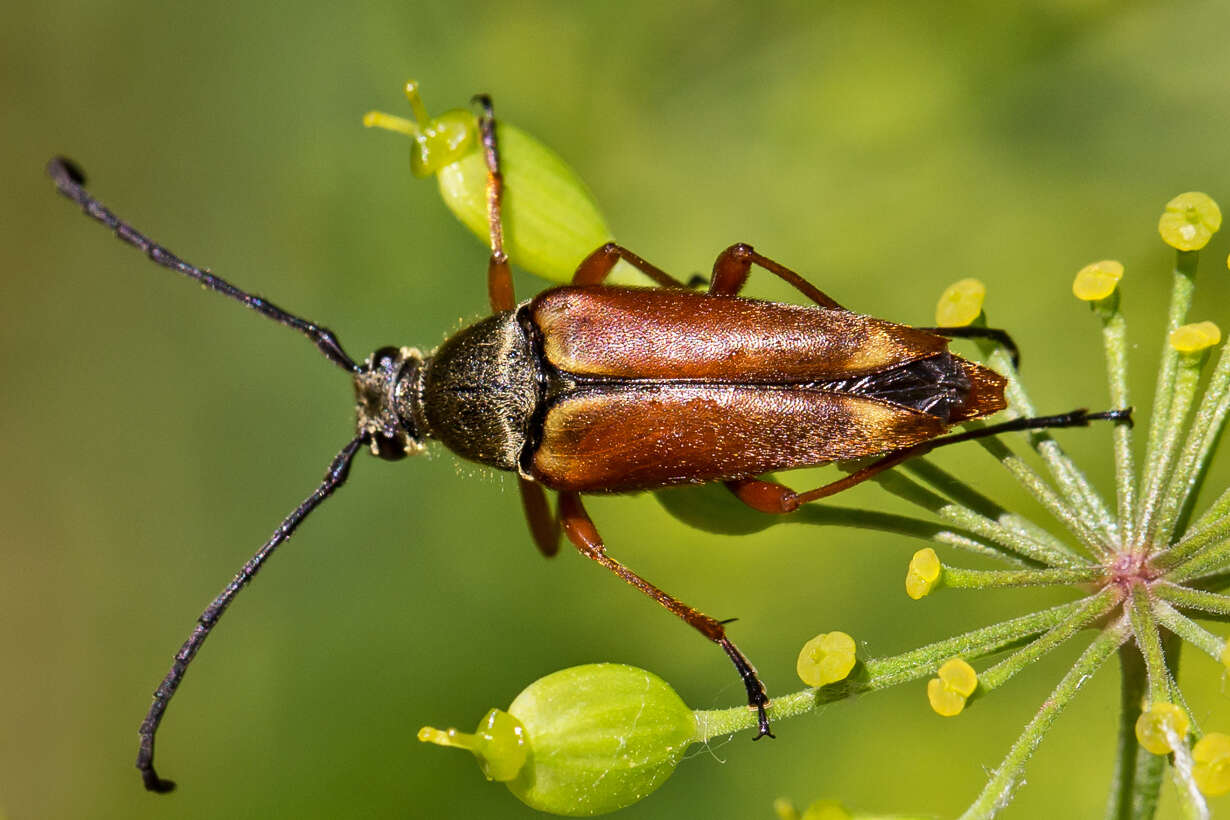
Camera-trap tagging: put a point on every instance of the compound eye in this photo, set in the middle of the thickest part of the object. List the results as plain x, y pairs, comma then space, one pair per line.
385, 358
390, 447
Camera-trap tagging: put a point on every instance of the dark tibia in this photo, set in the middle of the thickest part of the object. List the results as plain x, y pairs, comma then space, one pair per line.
778, 499
994, 334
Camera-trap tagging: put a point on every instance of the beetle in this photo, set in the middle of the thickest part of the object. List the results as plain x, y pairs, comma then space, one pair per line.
590, 388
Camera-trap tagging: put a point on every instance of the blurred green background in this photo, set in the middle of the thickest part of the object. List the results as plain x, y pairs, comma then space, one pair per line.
153, 435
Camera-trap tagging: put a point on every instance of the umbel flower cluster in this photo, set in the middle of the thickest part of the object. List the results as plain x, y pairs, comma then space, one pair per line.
1145, 572
1144, 566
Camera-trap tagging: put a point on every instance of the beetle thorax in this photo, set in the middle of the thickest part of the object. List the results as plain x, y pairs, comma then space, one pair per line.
385, 391
479, 391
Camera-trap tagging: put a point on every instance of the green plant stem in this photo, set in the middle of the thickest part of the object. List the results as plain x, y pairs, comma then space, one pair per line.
1191, 802
1028, 529
1189, 598
1012, 530
1144, 626
953, 487
1012, 542
1092, 509
1212, 560
1212, 528
960, 578
1138, 774
1189, 630
1092, 609
1217, 514
1115, 346
1183, 279
998, 790
1038, 487
881, 673
1206, 427
964, 542
1172, 646
1158, 474
712, 723
971, 645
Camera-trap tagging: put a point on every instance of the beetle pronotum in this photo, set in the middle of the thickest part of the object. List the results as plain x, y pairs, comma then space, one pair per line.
592, 388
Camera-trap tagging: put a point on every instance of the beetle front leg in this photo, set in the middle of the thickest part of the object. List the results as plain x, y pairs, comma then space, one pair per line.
583, 534
731, 269
499, 276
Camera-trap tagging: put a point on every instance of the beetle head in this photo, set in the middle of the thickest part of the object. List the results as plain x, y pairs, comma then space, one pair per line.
386, 389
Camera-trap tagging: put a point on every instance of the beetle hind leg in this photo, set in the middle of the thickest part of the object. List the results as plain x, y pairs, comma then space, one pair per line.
580, 530
994, 334
778, 499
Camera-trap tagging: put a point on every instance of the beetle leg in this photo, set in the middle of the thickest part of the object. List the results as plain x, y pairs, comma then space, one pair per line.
770, 497
544, 526
581, 532
995, 334
778, 499
595, 267
731, 268
499, 277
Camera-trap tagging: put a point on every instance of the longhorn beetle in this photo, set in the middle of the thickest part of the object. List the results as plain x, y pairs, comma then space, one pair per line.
590, 388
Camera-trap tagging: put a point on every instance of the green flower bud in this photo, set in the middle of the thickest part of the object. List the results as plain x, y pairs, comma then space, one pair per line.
582, 741
498, 743
551, 221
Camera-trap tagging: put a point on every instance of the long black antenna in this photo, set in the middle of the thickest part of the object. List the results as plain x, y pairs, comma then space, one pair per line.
334, 478
70, 180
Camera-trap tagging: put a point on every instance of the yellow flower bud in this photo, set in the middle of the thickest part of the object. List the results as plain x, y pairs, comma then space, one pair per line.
960, 303
1097, 280
1157, 724
948, 692
826, 658
1195, 337
1211, 763
923, 574
1189, 221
